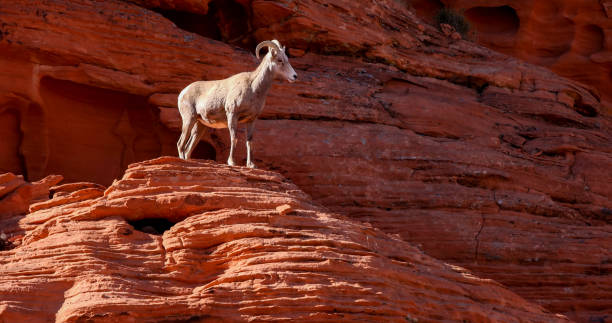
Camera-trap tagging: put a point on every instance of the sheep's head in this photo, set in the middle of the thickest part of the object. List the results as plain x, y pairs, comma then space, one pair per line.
279, 62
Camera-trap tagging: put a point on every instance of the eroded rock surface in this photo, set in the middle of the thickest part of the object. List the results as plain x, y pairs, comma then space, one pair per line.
568, 36
480, 159
228, 255
16, 195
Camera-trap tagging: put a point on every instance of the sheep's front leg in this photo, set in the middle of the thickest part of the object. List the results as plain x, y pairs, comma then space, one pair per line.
249, 137
188, 124
196, 134
232, 124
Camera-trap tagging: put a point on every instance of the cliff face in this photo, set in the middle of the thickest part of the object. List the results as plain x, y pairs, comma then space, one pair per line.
478, 158
568, 36
190, 241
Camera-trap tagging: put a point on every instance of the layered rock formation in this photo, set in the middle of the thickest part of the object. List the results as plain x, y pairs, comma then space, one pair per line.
194, 241
16, 194
476, 157
569, 37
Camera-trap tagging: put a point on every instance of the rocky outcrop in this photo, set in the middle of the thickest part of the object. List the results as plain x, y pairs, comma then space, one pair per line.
478, 158
196, 241
16, 194
569, 37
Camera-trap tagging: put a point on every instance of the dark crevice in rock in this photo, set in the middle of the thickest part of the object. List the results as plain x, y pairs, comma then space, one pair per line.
156, 226
437, 135
203, 25
586, 110
315, 96
226, 21
6, 245
204, 150
472, 82
190, 319
490, 181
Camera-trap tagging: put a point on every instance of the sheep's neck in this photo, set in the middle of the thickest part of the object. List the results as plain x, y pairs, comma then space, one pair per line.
262, 78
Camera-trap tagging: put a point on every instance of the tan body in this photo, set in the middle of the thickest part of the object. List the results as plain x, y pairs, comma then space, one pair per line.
212, 100
225, 103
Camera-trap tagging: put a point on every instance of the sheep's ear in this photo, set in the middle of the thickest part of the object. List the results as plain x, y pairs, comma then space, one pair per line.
273, 52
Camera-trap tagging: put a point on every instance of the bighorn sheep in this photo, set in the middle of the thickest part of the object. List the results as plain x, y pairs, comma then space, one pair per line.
236, 99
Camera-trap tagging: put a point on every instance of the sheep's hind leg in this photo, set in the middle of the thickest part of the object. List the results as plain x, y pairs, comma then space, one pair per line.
232, 124
188, 124
249, 144
196, 134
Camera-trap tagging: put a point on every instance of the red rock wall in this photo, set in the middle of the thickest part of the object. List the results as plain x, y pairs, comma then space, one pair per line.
103, 127
480, 159
569, 37
228, 255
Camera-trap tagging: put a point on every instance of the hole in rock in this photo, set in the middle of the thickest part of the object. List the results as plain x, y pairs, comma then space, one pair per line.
204, 150
493, 20
155, 226
226, 21
95, 133
585, 109
589, 39
6, 245
203, 25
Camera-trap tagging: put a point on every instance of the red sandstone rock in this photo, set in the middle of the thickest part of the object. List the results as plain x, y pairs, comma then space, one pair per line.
449, 31
68, 188
16, 195
567, 36
285, 209
230, 256
480, 159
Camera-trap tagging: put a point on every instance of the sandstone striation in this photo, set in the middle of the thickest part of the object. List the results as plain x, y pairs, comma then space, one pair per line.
219, 250
569, 37
478, 158
16, 195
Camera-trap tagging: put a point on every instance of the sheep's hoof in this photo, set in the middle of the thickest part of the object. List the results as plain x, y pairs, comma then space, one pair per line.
251, 165
230, 162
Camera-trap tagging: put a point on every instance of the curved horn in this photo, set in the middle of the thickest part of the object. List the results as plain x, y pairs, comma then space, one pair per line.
265, 43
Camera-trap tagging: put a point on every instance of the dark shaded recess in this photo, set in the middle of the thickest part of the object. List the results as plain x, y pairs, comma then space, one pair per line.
191, 319
6, 245
155, 226
585, 109
204, 150
453, 18
203, 25
494, 20
226, 21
